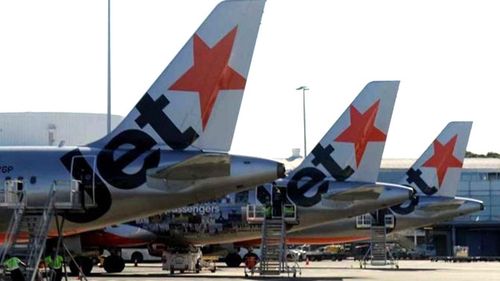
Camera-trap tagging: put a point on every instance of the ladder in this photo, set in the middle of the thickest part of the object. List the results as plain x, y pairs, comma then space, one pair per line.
378, 245
29, 225
273, 257
36, 221
273, 245
378, 253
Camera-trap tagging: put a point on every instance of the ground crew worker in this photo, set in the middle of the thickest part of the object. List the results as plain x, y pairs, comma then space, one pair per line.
12, 265
55, 263
268, 211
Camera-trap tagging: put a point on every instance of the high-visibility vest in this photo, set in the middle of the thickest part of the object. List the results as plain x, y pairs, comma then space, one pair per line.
12, 263
56, 263
268, 211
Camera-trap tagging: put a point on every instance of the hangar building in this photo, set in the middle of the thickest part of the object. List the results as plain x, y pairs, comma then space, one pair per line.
52, 128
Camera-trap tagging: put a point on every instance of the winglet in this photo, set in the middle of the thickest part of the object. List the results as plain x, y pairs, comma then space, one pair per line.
352, 149
195, 102
439, 168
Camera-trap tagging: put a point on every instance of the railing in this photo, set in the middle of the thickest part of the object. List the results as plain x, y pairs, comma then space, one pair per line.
257, 213
290, 212
73, 200
69, 195
13, 194
389, 221
364, 221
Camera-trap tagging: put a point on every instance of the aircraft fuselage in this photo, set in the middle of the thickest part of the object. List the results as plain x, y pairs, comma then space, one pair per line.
125, 183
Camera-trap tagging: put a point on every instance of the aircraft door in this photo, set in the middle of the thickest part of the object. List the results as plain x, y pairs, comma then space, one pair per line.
278, 198
83, 180
264, 194
272, 196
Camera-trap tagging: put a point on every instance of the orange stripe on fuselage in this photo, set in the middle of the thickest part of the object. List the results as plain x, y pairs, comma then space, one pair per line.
23, 237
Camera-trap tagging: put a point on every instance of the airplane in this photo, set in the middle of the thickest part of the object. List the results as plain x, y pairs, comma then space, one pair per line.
169, 151
435, 176
336, 180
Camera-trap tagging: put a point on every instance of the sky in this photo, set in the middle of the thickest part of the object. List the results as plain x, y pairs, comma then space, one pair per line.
53, 57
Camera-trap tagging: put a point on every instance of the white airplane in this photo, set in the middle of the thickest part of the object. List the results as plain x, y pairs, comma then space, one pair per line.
169, 151
435, 176
336, 180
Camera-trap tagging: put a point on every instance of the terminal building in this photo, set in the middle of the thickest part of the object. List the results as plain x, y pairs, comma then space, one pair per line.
480, 231
480, 177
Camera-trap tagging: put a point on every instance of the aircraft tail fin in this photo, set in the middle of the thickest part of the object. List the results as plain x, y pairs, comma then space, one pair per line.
195, 102
438, 170
352, 149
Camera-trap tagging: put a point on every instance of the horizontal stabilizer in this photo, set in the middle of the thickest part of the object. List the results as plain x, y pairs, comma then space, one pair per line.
202, 166
442, 206
360, 193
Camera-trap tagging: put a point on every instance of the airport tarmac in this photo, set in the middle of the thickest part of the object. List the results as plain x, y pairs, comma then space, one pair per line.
326, 270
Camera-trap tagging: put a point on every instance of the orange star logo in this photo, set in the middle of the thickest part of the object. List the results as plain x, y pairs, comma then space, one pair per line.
443, 158
362, 130
210, 73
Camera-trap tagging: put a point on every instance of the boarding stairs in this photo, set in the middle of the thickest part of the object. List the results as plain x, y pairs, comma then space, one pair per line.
378, 253
30, 222
378, 245
273, 245
273, 257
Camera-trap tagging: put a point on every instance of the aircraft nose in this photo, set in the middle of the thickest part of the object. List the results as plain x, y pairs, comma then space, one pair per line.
481, 206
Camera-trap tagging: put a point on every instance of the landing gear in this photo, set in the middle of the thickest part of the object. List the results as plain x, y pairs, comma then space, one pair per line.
84, 263
137, 258
114, 264
233, 260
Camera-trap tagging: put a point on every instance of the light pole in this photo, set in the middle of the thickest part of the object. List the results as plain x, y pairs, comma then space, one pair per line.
108, 127
304, 89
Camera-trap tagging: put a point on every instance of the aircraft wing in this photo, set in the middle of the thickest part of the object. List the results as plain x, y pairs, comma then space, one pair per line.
442, 206
360, 193
202, 166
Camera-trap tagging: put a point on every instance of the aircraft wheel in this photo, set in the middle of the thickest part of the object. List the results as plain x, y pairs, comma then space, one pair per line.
137, 257
84, 263
233, 260
114, 264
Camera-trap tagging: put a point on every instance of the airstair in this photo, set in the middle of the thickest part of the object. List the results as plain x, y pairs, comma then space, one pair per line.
379, 253
273, 245
273, 257
31, 219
